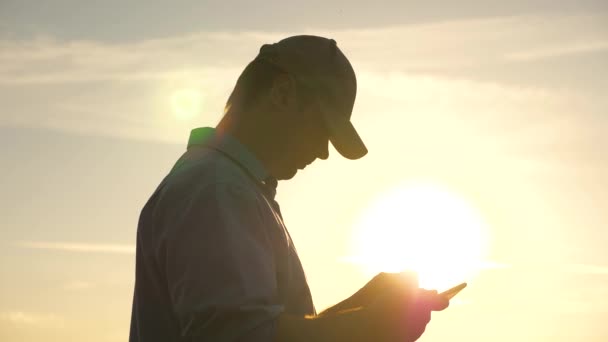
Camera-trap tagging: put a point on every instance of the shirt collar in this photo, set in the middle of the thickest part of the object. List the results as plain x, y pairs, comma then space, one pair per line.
208, 136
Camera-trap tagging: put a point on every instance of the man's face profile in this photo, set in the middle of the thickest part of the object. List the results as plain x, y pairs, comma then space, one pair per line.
303, 136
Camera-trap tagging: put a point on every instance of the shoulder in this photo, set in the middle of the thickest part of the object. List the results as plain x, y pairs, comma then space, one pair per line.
205, 172
207, 187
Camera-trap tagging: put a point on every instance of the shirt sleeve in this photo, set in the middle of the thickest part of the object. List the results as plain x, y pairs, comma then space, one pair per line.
220, 267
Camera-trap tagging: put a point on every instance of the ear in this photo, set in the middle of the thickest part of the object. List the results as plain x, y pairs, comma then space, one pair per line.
283, 92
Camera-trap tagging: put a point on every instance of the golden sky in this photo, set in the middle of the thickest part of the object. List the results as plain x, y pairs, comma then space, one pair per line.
502, 106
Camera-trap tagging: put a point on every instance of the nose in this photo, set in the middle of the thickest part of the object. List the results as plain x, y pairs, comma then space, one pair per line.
324, 151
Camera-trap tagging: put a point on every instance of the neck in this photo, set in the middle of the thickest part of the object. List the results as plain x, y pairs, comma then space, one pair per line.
256, 137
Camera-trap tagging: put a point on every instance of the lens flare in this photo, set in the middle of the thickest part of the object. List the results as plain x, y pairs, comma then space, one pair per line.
186, 103
422, 228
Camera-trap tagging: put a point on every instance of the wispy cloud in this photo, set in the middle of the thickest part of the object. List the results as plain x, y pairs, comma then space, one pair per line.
26, 318
401, 69
79, 247
559, 50
429, 46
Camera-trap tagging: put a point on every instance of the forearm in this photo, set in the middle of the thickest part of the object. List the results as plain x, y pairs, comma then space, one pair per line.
334, 327
344, 305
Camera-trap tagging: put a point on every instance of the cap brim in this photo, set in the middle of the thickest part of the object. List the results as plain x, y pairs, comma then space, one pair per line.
344, 137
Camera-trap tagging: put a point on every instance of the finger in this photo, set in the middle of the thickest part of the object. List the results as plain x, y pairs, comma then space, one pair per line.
440, 303
386, 280
433, 300
399, 284
426, 295
423, 316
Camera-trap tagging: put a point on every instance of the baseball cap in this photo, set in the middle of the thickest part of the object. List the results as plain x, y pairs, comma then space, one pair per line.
318, 64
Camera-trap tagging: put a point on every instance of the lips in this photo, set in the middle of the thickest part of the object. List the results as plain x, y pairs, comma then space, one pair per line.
301, 167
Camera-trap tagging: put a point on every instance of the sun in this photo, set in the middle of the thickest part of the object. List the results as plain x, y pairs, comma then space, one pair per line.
186, 103
425, 228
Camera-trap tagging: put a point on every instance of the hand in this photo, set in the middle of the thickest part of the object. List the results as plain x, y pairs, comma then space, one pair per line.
402, 317
381, 285
389, 308
418, 315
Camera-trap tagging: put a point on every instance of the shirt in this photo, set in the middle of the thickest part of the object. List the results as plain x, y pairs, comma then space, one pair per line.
214, 260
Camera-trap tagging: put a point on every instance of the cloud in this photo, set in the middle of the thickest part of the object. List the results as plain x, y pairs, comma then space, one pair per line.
79, 247
49, 61
428, 46
125, 89
558, 50
25, 318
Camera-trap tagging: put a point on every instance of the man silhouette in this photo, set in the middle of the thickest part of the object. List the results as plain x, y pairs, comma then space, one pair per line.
214, 260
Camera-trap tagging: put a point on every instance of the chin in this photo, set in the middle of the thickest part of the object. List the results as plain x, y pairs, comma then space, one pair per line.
287, 174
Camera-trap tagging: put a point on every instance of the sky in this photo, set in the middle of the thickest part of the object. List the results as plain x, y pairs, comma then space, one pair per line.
500, 104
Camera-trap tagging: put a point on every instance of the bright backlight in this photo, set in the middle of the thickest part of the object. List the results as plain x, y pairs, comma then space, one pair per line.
186, 103
422, 228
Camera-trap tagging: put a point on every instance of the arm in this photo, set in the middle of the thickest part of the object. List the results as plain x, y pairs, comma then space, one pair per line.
237, 300
390, 318
221, 279
349, 304
390, 307
327, 328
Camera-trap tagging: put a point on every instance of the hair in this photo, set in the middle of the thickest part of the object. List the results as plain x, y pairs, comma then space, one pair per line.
256, 79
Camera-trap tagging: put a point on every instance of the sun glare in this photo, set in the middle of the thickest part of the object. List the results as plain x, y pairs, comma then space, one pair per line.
424, 228
186, 103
